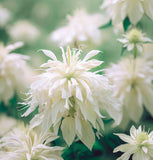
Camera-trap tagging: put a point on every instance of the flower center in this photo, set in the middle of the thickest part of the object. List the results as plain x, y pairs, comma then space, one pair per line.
143, 136
69, 76
134, 36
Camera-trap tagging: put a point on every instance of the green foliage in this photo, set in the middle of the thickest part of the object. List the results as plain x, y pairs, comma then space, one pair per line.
109, 24
126, 24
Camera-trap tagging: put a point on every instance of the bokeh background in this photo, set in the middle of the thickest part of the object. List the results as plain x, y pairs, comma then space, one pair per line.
47, 16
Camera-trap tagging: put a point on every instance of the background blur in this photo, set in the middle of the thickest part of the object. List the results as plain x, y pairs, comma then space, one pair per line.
47, 16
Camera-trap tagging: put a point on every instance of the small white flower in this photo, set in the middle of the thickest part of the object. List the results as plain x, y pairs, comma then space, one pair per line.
4, 16
23, 143
132, 81
134, 38
134, 9
81, 27
139, 144
13, 72
6, 124
68, 90
23, 30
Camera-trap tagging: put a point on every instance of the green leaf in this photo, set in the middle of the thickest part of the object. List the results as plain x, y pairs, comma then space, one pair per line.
126, 23
109, 24
123, 50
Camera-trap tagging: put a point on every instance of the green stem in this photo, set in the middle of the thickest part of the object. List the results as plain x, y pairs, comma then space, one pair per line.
76, 44
135, 51
134, 57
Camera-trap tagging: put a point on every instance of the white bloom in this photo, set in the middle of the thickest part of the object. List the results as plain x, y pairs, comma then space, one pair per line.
139, 144
134, 9
25, 31
13, 71
132, 81
134, 38
81, 27
68, 90
23, 143
4, 16
6, 124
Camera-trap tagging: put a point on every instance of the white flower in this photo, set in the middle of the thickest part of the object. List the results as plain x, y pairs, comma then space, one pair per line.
6, 124
13, 72
81, 27
134, 39
139, 144
134, 9
68, 90
23, 143
132, 81
25, 31
4, 16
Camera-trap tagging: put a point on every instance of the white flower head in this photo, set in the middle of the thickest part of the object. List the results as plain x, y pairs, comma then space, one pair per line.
139, 144
4, 16
81, 27
23, 143
134, 9
132, 81
69, 90
12, 72
24, 30
6, 124
134, 39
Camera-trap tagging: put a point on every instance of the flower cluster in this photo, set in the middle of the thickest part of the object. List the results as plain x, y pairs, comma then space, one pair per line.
80, 28
12, 66
23, 143
68, 90
73, 96
132, 81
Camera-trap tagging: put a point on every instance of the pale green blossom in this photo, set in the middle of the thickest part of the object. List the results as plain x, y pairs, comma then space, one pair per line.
139, 144
134, 39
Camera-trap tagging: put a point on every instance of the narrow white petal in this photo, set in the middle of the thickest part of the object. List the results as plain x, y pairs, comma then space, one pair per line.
91, 54
49, 54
